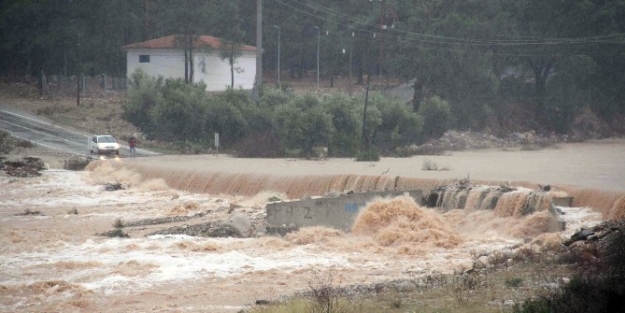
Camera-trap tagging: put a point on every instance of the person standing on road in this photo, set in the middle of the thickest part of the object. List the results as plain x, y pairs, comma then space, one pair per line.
131, 144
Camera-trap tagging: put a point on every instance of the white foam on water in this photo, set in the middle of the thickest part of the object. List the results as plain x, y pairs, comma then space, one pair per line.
576, 218
164, 264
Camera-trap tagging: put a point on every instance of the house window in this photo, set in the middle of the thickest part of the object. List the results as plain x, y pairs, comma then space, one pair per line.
144, 58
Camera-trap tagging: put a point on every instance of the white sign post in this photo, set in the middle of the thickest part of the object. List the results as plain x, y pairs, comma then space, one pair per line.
217, 143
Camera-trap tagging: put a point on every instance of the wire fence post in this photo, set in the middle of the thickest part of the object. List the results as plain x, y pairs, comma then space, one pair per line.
104, 85
44, 85
79, 85
77, 90
83, 86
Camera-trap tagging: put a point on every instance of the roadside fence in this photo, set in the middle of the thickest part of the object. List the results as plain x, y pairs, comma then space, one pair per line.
99, 86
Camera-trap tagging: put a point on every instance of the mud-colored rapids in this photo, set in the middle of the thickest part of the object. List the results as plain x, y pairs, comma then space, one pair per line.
58, 262
295, 187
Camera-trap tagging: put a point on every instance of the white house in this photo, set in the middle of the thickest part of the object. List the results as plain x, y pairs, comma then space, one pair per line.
165, 57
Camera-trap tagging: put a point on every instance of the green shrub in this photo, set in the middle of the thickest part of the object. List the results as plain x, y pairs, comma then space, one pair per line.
180, 116
365, 156
343, 139
258, 118
238, 98
144, 94
303, 124
226, 119
315, 126
399, 126
435, 112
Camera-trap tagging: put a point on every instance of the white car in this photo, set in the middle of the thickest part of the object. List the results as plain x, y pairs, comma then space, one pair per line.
103, 144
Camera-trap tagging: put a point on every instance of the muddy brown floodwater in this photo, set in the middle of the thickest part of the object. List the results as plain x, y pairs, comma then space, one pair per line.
599, 165
55, 261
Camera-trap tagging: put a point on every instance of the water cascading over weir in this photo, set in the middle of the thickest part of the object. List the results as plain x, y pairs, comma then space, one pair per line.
514, 198
340, 211
504, 200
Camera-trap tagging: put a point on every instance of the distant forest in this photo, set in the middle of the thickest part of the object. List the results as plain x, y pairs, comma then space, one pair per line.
543, 60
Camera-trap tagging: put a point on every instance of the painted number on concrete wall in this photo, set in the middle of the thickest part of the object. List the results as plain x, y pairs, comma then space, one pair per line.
351, 207
308, 215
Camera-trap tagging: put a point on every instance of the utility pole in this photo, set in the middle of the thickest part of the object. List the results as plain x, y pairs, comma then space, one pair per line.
78, 77
146, 32
351, 48
382, 12
318, 37
259, 47
365, 139
279, 31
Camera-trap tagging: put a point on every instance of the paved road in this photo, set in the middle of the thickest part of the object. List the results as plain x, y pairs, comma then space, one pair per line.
42, 133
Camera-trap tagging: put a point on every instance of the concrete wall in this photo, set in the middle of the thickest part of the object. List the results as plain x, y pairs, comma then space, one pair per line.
339, 212
562, 201
557, 213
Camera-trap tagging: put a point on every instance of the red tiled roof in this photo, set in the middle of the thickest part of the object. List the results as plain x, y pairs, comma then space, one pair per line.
170, 42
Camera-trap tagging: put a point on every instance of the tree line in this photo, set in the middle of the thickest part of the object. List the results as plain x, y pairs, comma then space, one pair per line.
492, 61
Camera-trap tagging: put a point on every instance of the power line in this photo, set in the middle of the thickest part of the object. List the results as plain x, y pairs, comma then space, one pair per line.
445, 40
546, 40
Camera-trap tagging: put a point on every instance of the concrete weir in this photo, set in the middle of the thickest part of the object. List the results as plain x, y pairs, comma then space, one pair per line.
340, 212
337, 212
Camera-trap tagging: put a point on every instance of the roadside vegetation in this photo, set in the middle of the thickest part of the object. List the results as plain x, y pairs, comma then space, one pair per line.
279, 124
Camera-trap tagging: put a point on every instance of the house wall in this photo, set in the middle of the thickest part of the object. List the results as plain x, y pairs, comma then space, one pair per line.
168, 63
209, 67
215, 73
